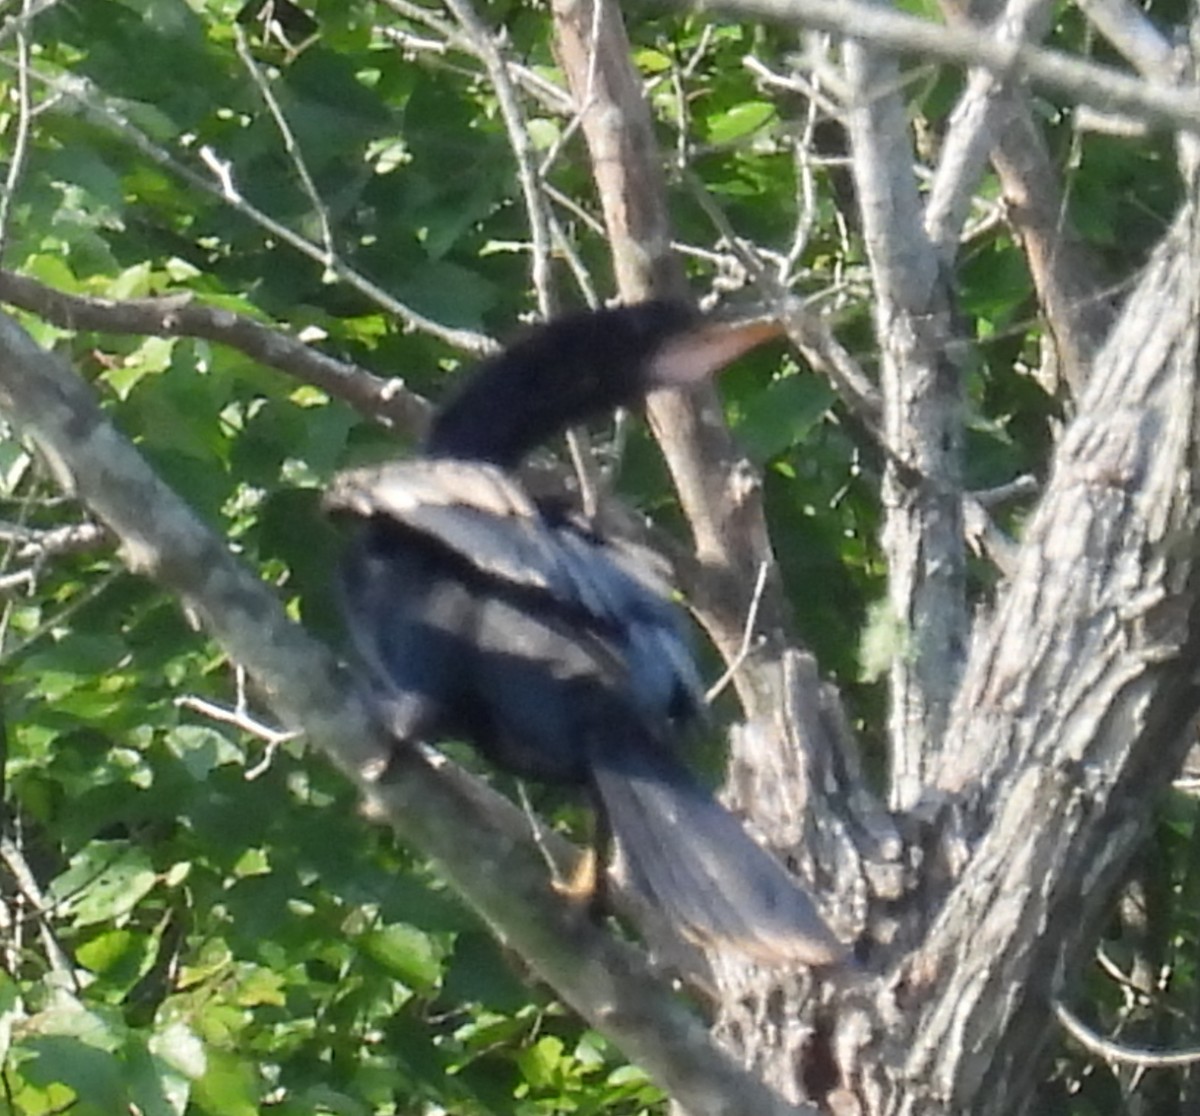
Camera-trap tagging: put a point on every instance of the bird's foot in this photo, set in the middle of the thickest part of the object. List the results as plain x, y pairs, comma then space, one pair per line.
586, 885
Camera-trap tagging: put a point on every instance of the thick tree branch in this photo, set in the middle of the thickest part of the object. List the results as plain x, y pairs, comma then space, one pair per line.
720, 496
923, 416
968, 140
1077, 708
480, 840
995, 118
1084, 83
722, 499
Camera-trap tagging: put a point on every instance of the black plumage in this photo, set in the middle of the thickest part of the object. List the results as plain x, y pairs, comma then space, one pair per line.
481, 615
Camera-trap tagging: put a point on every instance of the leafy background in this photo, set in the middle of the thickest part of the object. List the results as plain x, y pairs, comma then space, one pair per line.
197, 921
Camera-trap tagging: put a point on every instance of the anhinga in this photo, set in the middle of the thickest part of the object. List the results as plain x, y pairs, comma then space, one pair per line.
483, 616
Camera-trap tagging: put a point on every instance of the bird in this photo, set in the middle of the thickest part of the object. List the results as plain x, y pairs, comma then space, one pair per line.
479, 613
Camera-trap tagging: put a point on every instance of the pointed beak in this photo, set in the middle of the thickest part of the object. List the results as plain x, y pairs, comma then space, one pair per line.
709, 346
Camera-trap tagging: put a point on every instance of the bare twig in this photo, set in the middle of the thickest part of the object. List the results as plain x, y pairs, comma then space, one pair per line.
240, 718
530, 178
60, 617
27, 884
794, 82
538, 834
484, 45
237, 717
549, 95
33, 544
19, 25
20, 122
1020, 488
760, 584
1119, 1053
289, 140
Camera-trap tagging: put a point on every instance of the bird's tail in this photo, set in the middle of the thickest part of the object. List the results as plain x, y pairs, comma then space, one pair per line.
697, 863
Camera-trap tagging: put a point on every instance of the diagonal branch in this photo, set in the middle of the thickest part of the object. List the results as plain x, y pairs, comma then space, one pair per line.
719, 494
995, 119
384, 400
480, 841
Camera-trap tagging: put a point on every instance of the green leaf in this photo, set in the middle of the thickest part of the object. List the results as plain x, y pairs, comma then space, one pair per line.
104, 882
739, 121
228, 1087
478, 973
783, 414
257, 985
542, 1063
405, 953
202, 749
107, 950
95, 1076
161, 1071
651, 61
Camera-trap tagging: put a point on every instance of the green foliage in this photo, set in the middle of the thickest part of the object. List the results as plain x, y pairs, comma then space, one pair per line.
195, 925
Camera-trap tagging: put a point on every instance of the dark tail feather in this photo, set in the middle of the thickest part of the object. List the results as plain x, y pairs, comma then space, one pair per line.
697, 863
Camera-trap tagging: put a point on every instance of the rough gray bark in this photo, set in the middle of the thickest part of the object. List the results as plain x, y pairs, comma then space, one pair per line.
923, 416
1075, 712
1077, 702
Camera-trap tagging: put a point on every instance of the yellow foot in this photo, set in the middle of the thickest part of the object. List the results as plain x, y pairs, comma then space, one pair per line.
581, 885
587, 886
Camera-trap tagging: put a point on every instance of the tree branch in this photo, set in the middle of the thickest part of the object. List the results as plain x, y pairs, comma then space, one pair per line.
923, 417
1117, 1052
480, 840
1078, 706
1101, 87
1068, 275
385, 400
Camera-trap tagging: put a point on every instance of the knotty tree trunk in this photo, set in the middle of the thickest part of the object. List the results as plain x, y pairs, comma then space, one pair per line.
976, 909
1025, 773
1028, 760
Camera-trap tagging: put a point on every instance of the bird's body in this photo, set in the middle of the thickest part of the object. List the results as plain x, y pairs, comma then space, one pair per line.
499, 625
483, 616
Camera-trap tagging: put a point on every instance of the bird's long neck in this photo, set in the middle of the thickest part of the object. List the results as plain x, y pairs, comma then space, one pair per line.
565, 372
507, 408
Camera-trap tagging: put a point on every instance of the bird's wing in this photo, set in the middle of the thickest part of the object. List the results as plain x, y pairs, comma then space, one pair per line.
475, 511
489, 522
